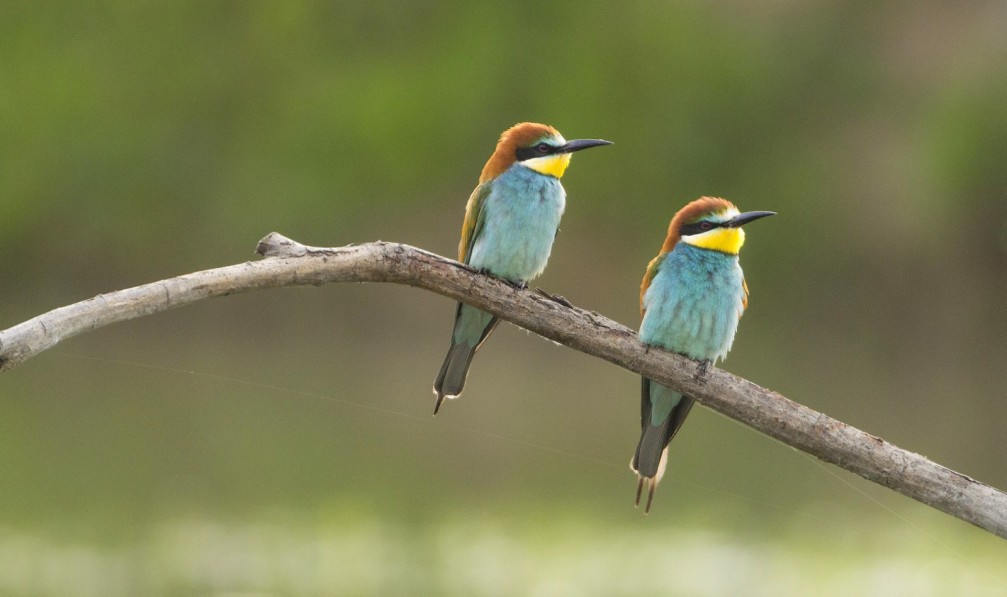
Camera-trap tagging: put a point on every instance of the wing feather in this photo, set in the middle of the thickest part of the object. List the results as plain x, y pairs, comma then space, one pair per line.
474, 218
648, 277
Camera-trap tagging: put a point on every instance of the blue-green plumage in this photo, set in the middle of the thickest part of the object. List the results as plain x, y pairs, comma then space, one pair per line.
692, 308
693, 303
521, 214
510, 224
692, 297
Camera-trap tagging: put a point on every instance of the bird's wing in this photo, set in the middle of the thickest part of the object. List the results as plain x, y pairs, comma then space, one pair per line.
473, 223
648, 277
744, 299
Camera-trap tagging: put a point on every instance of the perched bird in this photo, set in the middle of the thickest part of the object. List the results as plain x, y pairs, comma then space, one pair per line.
691, 299
510, 222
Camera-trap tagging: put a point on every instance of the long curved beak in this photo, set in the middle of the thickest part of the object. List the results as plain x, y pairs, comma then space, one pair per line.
578, 144
741, 219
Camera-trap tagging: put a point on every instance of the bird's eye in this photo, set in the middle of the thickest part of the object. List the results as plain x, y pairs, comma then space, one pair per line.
705, 225
543, 148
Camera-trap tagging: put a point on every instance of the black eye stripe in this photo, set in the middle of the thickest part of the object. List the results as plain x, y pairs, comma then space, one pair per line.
697, 227
535, 151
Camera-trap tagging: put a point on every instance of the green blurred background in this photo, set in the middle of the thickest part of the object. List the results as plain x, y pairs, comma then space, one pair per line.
281, 442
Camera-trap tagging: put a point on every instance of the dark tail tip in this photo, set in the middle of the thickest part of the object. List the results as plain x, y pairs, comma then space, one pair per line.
650, 496
651, 484
437, 405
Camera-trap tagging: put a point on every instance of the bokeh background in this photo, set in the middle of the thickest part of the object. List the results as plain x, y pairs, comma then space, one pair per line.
281, 442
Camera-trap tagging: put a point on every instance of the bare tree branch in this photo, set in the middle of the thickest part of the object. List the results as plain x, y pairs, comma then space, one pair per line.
289, 263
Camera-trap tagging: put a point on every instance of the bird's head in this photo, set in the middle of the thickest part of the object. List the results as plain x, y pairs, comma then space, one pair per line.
539, 147
711, 223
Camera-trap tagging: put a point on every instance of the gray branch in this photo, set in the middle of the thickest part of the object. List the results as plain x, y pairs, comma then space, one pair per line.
289, 263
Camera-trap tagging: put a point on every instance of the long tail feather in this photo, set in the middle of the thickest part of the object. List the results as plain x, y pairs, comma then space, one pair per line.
451, 379
471, 329
663, 411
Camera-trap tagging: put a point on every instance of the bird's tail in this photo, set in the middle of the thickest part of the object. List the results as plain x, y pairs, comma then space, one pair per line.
662, 411
471, 329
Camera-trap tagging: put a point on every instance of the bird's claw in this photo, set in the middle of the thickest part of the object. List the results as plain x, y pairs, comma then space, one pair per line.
703, 370
519, 284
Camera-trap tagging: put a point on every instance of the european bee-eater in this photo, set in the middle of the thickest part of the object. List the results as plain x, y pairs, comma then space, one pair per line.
691, 299
510, 222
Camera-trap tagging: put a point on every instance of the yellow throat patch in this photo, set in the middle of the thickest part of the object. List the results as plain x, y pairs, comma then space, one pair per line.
725, 240
550, 165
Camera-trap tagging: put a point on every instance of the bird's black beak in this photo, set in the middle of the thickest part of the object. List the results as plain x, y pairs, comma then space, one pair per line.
741, 219
578, 144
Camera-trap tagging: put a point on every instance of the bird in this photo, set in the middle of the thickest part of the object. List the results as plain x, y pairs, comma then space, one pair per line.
511, 220
691, 298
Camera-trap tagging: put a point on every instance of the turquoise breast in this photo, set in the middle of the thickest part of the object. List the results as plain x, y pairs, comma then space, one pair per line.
520, 219
694, 302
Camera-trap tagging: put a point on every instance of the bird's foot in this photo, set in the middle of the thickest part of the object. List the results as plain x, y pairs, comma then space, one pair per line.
518, 284
703, 370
